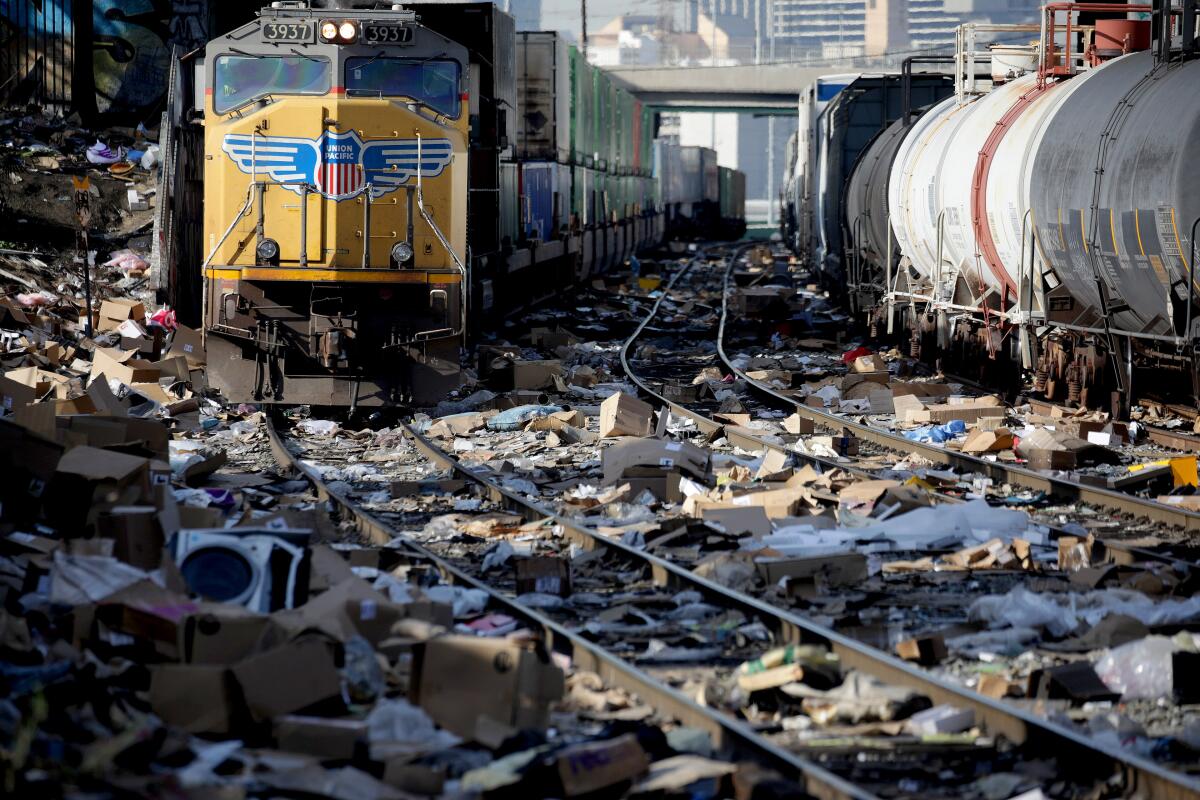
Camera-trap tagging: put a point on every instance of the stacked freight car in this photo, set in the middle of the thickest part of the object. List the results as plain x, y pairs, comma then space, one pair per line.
581, 161
699, 197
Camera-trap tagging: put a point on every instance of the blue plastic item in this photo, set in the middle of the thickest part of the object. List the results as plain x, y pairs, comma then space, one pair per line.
515, 418
937, 433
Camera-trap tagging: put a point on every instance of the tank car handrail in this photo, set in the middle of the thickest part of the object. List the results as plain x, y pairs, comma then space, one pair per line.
1045, 68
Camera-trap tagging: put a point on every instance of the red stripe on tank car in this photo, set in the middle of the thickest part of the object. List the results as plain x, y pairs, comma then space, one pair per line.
983, 167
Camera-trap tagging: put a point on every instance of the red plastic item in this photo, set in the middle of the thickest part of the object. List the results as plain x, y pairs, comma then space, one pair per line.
858, 352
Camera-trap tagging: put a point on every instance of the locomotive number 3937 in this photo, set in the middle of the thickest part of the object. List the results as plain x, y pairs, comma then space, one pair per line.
386, 33
288, 31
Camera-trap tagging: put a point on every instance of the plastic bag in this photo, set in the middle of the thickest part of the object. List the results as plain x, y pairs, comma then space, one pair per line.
937, 433
128, 262
1140, 669
36, 299
318, 427
513, 419
362, 677
164, 317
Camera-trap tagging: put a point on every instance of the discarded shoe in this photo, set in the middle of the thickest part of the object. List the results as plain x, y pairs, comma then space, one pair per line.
100, 153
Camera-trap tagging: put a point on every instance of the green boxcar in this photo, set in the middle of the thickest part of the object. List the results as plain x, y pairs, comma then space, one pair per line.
582, 108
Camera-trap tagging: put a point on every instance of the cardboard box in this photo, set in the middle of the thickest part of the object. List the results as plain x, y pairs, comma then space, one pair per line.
535, 374
122, 365
622, 415
195, 697
924, 650
14, 394
739, 521
138, 539
130, 434
220, 633
188, 343
629, 452
288, 678
27, 462
89, 480
988, 441
663, 484
965, 409
458, 679
786, 502
323, 737
543, 574
114, 312
798, 425
835, 570
871, 363
591, 766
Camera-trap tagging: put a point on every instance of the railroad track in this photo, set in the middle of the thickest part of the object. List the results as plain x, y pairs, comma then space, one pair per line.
1060, 487
1011, 736
730, 736
1159, 781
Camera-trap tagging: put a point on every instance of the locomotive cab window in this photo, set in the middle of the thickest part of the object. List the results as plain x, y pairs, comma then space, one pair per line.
240, 79
432, 81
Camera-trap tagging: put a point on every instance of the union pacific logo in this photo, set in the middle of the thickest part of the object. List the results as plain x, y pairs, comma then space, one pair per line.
338, 166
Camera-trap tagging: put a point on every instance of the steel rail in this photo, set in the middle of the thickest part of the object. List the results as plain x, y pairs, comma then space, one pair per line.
1142, 777
1062, 488
728, 733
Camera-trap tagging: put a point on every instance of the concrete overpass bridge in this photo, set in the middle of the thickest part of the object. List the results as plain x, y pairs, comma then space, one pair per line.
765, 89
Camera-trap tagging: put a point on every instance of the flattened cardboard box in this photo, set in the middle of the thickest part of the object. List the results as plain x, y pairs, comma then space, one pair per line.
736, 521
590, 766
188, 343
289, 678
631, 452
838, 570
323, 737
458, 679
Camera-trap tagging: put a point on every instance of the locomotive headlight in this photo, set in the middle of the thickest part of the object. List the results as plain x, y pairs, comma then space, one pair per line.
329, 30
401, 252
348, 31
267, 251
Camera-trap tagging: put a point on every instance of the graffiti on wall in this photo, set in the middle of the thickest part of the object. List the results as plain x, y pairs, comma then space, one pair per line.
129, 43
131, 48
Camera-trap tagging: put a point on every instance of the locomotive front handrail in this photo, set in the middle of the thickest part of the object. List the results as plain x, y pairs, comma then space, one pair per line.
462, 305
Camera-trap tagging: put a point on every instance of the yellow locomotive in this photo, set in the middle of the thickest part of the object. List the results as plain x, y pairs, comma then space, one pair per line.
348, 191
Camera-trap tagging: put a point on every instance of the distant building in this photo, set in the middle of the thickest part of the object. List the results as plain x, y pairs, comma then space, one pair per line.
635, 39
527, 13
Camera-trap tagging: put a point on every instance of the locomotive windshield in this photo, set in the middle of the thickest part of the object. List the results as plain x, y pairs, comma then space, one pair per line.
432, 81
240, 79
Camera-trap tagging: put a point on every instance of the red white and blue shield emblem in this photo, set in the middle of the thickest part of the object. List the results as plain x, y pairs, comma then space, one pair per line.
340, 173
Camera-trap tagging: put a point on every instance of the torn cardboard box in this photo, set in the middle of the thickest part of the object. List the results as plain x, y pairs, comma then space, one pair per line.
622, 415
458, 679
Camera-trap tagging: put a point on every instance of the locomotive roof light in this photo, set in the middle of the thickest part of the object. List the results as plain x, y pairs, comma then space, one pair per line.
347, 31
329, 30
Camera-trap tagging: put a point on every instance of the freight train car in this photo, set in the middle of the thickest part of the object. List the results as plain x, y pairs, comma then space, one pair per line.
350, 191
1044, 218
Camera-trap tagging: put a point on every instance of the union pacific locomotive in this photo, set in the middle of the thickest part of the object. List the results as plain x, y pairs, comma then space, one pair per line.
1041, 215
349, 191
